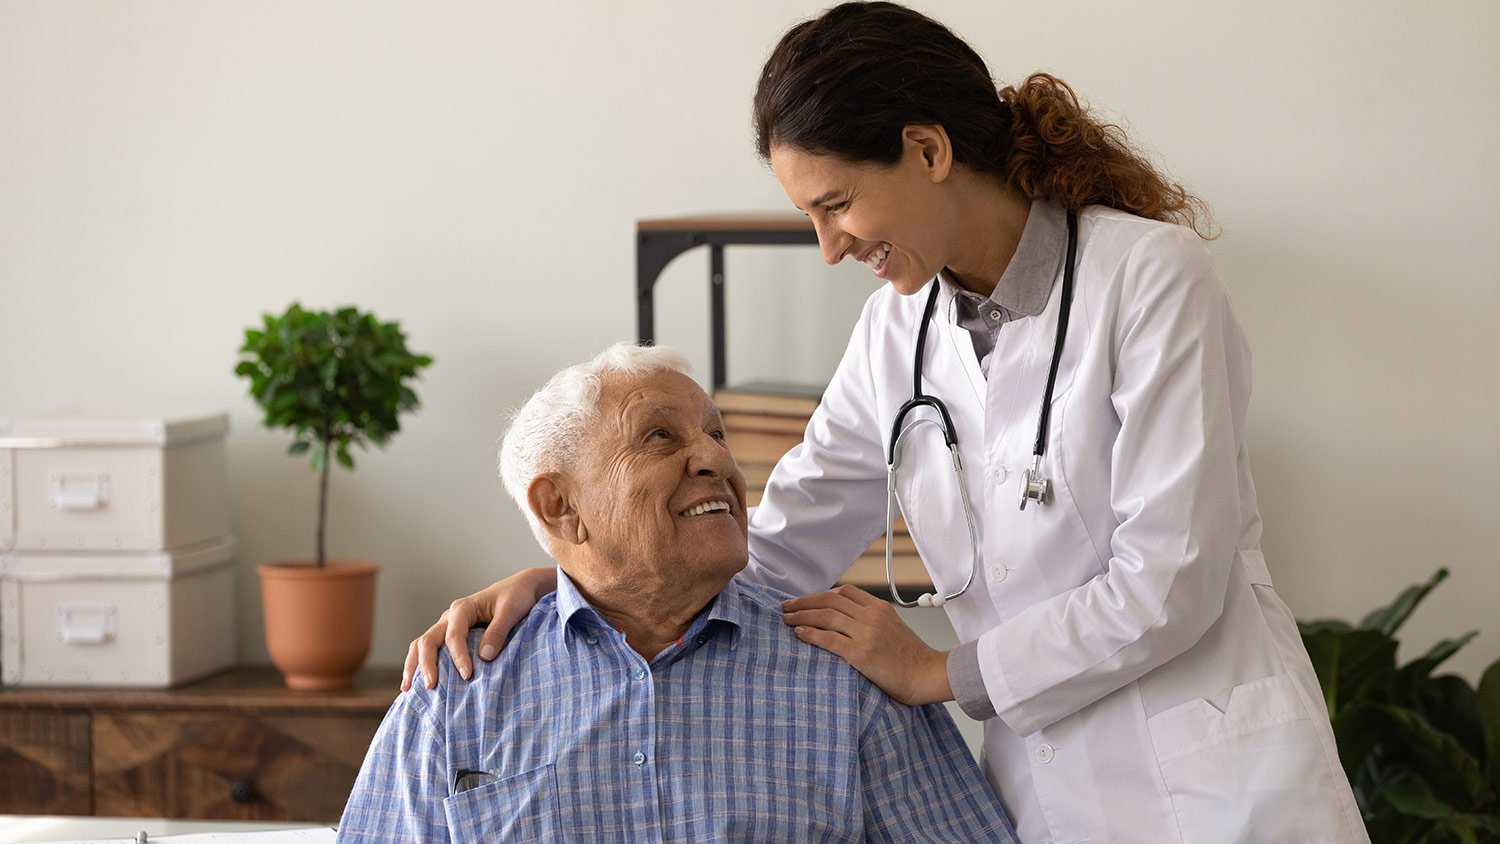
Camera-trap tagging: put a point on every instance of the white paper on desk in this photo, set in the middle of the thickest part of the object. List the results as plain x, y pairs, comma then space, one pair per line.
314, 835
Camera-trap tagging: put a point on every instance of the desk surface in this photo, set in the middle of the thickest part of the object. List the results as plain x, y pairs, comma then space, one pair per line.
24, 829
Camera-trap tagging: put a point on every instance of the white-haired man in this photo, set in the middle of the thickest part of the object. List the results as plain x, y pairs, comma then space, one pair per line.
653, 696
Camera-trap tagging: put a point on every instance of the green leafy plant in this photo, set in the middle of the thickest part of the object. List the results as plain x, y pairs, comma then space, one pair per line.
335, 378
1422, 752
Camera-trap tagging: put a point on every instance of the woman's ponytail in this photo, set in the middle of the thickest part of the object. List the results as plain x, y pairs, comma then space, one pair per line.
1057, 151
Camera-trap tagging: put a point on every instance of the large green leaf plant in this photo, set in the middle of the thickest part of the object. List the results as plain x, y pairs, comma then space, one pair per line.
337, 379
1422, 752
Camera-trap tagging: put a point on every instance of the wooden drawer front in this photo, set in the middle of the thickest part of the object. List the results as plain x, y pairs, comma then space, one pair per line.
44, 762
242, 767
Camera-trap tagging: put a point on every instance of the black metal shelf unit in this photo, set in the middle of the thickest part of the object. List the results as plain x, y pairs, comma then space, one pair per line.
659, 241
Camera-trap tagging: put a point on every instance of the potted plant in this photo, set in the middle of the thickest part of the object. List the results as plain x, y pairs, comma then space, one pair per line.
336, 379
1422, 752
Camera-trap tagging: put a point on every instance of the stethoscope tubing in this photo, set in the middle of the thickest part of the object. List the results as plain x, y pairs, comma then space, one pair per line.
1033, 486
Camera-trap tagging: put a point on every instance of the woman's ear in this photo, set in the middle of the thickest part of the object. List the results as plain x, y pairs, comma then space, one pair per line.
549, 501
927, 145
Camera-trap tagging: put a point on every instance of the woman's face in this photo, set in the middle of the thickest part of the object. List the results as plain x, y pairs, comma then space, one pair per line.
885, 216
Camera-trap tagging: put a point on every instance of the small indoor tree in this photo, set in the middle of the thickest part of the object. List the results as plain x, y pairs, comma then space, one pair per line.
336, 379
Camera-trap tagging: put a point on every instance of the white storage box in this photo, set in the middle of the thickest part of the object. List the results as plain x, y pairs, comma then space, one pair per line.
112, 483
151, 619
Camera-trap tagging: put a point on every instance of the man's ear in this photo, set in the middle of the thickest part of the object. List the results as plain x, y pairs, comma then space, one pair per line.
928, 144
550, 502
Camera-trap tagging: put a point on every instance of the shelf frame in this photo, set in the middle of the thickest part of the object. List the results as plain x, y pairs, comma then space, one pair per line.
659, 241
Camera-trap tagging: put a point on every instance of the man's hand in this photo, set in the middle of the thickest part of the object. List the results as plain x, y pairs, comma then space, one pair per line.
868, 634
503, 604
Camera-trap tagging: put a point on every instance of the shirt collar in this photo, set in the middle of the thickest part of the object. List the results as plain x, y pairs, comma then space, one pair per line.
1026, 284
727, 611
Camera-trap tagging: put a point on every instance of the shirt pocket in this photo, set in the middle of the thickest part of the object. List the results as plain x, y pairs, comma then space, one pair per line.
1254, 770
520, 807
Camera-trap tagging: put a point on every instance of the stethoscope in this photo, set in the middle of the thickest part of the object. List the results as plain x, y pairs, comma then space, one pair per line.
1034, 487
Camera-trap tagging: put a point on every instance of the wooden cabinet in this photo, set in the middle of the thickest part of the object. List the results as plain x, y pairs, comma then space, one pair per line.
236, 746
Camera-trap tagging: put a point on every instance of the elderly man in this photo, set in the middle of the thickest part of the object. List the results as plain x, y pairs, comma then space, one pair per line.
654, 696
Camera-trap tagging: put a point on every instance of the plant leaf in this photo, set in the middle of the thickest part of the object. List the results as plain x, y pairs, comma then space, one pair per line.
1450, 704
1389, 619
1489, 720
1411, 676
1413, 798
1307, 628
1357, 729
1442, 751
1351, 665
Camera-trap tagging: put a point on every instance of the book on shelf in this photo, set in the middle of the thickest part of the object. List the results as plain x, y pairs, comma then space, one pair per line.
773, 398
735, 420
868, 572
758, 446
756, 475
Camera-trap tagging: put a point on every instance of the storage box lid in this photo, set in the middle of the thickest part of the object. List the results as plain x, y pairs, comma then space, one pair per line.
147, 565
112, 429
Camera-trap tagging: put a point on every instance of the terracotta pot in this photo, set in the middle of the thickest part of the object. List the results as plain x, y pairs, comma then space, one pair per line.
318, 620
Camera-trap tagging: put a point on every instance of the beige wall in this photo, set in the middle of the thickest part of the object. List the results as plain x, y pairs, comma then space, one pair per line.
168, 171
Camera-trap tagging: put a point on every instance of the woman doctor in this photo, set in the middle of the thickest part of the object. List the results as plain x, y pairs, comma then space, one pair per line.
1138, 678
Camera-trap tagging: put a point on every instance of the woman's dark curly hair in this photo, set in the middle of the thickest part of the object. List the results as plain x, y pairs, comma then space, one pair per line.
846, 83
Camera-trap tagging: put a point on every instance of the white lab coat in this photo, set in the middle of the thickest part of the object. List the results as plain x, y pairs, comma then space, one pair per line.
1150, 685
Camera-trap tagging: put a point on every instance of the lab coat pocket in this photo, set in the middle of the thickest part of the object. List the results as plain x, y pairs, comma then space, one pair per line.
521, 807
1245, 767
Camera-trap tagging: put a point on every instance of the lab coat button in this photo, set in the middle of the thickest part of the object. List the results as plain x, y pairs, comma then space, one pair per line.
1044, 753
1001, 475
998, 571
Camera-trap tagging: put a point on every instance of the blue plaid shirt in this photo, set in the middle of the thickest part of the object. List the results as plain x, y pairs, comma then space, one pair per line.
739, 732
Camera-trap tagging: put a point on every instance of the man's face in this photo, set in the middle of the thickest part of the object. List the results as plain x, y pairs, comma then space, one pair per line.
659, 494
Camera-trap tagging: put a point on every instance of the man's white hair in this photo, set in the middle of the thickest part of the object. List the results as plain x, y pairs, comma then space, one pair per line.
545, 433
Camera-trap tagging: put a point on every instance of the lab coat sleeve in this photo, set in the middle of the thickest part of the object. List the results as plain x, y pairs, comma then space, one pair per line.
1180, 388
825, 501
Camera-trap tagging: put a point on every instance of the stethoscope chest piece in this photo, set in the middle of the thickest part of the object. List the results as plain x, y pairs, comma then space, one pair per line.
1034, 487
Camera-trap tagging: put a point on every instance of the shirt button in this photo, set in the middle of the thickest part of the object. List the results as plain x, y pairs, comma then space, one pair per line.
998, 571
702, 639
640, 674
1044, 753
995, 314
593, 640
639, 758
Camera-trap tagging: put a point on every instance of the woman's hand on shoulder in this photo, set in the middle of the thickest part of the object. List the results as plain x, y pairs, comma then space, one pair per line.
869, 635
502, 604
